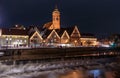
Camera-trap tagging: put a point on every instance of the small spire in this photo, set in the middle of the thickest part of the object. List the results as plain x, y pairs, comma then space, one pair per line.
56, 8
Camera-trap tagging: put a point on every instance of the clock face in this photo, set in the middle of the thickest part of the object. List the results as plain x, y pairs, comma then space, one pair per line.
56, 18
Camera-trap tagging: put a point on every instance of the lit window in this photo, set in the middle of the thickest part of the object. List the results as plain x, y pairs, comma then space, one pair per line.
20, 40
54, 39
10, 39
54, 35
35, 37
25, 41
6, 38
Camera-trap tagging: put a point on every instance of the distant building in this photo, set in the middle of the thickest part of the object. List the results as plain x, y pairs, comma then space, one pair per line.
114, 40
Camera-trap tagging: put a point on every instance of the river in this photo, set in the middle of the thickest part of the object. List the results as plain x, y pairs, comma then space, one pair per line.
70, 68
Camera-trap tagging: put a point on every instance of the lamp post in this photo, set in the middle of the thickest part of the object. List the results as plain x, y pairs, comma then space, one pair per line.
10, 41
6, 42
17, 43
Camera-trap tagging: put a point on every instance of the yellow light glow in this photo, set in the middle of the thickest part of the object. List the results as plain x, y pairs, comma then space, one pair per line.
75, 41
66, 41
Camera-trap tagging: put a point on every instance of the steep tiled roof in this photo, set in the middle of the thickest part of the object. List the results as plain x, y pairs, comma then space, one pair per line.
46, 34
69, 29
60, 32
47, 25
14, 32
31, 34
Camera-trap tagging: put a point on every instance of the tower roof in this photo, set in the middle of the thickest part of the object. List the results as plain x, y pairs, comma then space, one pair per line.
56, 10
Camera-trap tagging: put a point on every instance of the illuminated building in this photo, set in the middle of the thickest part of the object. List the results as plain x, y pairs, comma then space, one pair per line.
88, 39
53, 34
50, 34
13, 37
55, 24
65, 38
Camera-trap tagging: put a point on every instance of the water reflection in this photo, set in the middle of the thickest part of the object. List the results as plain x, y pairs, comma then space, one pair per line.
73, 74
97, 73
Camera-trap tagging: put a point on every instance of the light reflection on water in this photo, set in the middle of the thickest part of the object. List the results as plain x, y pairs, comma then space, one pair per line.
96, 73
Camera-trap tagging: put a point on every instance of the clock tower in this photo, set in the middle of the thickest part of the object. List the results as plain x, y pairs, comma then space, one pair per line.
56, 18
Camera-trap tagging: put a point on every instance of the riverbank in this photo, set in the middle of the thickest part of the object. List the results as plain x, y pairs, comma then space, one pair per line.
58, 53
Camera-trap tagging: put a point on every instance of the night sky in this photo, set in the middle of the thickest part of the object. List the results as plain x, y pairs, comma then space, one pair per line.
92, 16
